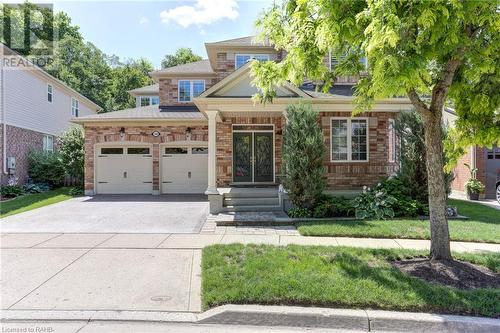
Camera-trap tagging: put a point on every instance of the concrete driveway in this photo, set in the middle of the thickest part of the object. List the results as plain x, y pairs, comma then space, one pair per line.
114, 214
58, 276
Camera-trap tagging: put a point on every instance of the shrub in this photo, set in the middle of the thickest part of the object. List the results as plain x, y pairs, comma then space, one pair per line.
374, 203
474, 186
72, 152
303, 152
409, 127
11, 191
330, 206
76, 191
37, 188
299, 212
405, 205
46, 167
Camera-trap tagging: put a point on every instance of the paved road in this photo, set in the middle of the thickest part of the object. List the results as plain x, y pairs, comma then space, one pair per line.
114, 214
137, 327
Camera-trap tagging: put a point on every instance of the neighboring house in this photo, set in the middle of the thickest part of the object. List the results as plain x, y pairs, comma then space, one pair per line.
35, 109
208, 136
485, 160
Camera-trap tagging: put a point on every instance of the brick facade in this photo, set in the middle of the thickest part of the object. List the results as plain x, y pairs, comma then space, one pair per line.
340, 175
169, 90
225, 66
19, 142
142, 134
462, 174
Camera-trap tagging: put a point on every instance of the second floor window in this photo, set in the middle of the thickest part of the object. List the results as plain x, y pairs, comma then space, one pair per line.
188, 89
75, 106
50, 93
241, 59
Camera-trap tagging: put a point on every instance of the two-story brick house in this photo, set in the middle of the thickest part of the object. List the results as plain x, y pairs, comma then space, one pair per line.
35, 109
208, 136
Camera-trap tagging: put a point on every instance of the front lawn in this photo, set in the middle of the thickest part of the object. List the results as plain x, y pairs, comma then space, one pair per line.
483, 225
31, 201
334, 277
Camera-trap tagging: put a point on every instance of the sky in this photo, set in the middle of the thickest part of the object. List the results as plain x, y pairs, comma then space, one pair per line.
151, 29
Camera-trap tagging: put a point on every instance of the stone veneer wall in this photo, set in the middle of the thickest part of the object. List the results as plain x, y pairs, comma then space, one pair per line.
169, 90
225, 145
143, 134
354, 175
19, 142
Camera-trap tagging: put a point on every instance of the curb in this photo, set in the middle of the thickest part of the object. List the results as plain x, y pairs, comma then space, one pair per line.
361, 320
287, 316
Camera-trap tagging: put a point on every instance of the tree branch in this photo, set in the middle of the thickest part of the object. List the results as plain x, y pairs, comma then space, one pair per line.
417, 102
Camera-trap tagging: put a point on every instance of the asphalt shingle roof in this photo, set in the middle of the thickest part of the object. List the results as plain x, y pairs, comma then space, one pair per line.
242, 41
151, 89
202, 66
144, 112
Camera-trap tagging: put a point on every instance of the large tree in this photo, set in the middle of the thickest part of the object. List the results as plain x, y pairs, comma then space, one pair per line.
182, 56
426, 50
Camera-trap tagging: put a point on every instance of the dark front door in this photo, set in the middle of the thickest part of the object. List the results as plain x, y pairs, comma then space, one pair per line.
253, 157
263, 157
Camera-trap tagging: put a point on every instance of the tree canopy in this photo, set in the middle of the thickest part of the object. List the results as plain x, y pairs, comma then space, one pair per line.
429, 51
182, 56
102, 78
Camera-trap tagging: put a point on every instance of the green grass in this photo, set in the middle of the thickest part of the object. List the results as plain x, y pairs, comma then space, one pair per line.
28, 202
483, 225
334, 277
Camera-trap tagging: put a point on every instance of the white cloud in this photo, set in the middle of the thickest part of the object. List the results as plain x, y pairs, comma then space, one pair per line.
203, 12
203, 32
143, 20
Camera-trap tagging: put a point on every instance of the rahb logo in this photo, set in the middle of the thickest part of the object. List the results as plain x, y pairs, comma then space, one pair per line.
27, 29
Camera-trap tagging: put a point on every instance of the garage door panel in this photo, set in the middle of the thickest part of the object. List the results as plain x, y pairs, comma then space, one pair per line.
124, 173
184, 172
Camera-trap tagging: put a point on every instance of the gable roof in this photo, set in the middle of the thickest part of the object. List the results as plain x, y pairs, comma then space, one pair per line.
34, 69
202, 67
241, 75
242, 41
152, 89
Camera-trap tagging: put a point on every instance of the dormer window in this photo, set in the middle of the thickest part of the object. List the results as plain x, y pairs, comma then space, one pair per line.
148, 100
188, 89
241, 59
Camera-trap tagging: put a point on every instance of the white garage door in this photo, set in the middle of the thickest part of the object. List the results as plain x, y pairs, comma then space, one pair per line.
124, 170
184, 169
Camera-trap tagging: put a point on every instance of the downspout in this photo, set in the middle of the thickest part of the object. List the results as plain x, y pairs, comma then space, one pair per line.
4, 125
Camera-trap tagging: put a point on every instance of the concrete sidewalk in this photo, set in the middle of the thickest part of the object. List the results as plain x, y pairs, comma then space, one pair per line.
226, 235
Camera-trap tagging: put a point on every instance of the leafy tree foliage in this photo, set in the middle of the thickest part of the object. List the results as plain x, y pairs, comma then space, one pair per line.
426, 50
72, 151
183, 55
81, 65
303, 153
46, 167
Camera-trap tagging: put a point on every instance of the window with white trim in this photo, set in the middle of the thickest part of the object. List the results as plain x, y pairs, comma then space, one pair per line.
75, 106
349, 139
241, 59
50, 93
48, 143
391, 133
188, 89
148, 100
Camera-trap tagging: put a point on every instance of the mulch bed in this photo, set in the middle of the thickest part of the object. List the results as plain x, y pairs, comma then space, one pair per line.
456, 273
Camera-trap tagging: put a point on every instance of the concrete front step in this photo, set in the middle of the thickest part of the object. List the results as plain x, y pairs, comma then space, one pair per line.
267, 201
251, 208
250, 192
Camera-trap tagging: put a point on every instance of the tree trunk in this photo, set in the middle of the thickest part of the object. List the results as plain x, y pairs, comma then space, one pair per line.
440, 236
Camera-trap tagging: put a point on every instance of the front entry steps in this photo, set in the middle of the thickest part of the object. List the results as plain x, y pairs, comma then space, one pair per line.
250, 219
251, 200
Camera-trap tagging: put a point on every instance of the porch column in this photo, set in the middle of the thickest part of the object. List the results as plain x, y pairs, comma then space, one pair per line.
212, 152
